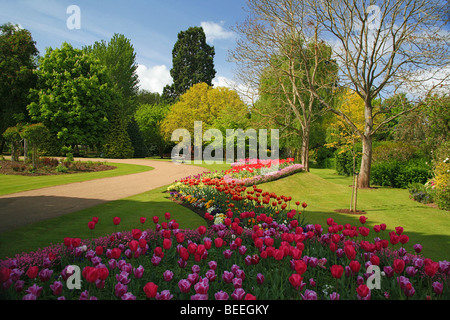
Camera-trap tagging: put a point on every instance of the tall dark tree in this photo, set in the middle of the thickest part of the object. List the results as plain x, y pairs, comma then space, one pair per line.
18, 59
192, 62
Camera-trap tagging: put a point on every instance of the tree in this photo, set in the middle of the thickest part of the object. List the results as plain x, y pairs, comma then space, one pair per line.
36, 134
18, 59
279, 56
72, 97
382, 47
149, 118
192, 63
12, 135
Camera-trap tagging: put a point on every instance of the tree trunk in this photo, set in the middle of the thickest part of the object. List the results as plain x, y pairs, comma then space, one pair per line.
305, 151
366, 161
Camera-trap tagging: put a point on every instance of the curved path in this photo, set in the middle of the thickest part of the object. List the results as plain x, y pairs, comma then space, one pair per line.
22, 208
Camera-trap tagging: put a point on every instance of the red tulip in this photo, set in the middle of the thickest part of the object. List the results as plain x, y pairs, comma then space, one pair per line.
337, 271
167, 244
103, 273
363, 290
180, 237
431, 268
201, 230
167, 215
99, 250
95, 220
300, 266
362, 219
304, 205
399, 230
32, 272
116, 220
115, 253
295, 280
218, 242
375, 260
398, 265
133, 245
155, 219
350, 252
184, 254
143, 219
150, 290
91, 225
355, 266
90, 274
136, 233
404, 239
4, 274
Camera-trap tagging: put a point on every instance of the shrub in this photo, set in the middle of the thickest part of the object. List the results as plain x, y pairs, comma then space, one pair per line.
420, 193
398, 174
61, 168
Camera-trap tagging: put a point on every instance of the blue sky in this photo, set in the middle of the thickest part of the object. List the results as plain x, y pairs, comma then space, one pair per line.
152, 26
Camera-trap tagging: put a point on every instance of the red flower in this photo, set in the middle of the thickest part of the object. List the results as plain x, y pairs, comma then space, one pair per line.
99, 250
364, 231
167, 243
300, 266
404, 238
201, 229
184, 253
143, 219
76, 242
4, 274
115, 253
103, 273
363, 290
167, 215
32, 272
398, 265
150, 290
136, 233
399, 230
90, 274
304, 205
362, 219
133, 245
116, 220
337, 271
95, 220
180, 237
295, 280
431, 268
350, 252
155, 219
91, 225
355, 266
375, 260
218, 242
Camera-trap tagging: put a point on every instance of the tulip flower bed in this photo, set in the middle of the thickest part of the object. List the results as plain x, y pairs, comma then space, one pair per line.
257, 246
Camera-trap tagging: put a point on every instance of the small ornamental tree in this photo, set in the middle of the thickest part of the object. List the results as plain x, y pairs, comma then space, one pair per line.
12, 135
36, 134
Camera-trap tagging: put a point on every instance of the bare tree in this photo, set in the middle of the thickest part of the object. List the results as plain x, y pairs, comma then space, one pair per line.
279, 45
385, 47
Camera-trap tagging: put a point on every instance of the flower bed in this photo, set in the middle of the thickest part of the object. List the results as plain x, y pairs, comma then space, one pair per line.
257, 246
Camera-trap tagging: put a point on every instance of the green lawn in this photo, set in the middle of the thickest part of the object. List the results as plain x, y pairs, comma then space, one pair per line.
322, 189
17, 183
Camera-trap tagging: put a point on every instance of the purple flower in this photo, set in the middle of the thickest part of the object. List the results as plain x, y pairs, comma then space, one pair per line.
417, 248
138, 272
29, 296
437, 287
168, 275
123, 277
155, 260
227, 254
184, 285
120, 289
193, 277
84, 295
18, 286
242, 250
128, 296
195, 268
411, 271
309, 295
199, 296
211, 275
181, 263
238, 294
227, 276
56, 287
45, 274
221, 295
212, 265
164, 295
237, 283
35, 290
388, 271
112, 264
334, 296
202, 286
260, 278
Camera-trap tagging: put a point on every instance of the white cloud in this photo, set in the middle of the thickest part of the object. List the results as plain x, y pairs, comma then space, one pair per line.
153, 79
247, 95
215, 31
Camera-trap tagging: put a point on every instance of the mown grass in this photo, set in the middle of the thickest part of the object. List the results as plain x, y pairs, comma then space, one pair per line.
17, 183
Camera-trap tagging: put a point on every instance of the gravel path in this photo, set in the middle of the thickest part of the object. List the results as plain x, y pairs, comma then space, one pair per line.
27, 207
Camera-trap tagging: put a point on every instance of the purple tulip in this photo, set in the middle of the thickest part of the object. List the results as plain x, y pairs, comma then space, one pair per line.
309, 295
334, 296
45, 274
56, 287
138, 272
193, 277
227, 254
437, 287
211, 275
202, 286
221, 295
167, 275
417, 248
199, 296
120, 289
164, 295
238, 294
227, 276
35, 290
260, 278
123, 277
237, 282
212, 265
411, 271
184, 285
128, 296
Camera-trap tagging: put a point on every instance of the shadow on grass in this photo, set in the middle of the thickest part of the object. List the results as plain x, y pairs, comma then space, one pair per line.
40, 221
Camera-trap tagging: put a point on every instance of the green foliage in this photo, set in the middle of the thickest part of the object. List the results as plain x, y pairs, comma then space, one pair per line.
72, 98
399, 174
192, 62
344, 161
149, 119
137, 140
17, 61
118, 143
420, 192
